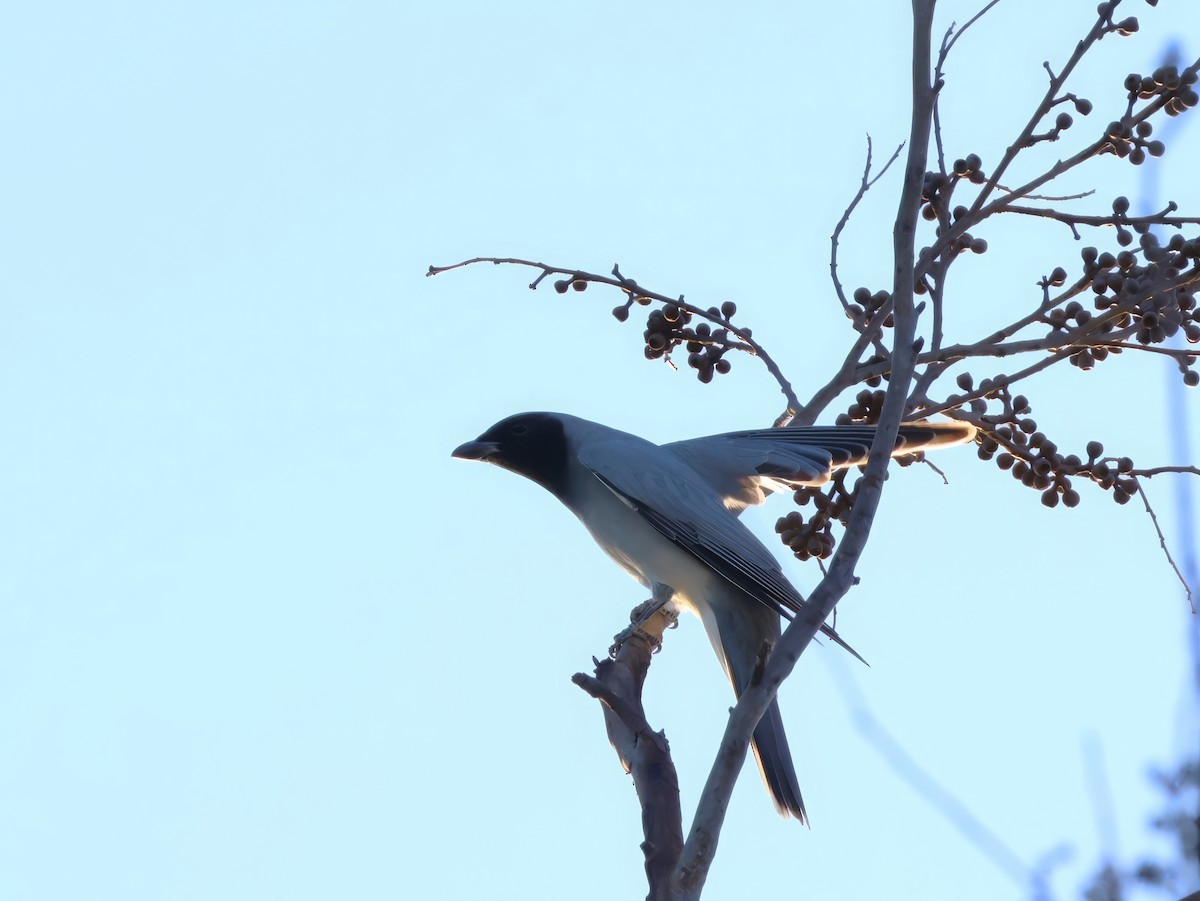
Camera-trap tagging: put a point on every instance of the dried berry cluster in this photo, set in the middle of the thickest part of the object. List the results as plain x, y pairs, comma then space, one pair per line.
1130, 137
865, 306
578, 283
1063, 120
1126, 26
867, 407
665, 330
938, 188
1011, 437
936, 195
1148, 298
812, 537
1176, 87
670, 326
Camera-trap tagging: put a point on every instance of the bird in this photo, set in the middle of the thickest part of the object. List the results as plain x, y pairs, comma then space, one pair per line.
668, 515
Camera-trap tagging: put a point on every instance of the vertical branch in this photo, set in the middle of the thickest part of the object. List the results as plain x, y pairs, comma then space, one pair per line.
904, 356
643, 752
702, 841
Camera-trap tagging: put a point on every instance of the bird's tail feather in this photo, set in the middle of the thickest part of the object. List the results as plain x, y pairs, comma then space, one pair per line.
774, 760
739, 633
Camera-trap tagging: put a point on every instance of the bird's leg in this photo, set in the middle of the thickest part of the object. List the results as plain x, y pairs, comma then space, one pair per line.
659, 603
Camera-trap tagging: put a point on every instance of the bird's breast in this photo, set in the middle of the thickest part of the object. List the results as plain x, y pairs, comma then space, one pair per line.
639, 548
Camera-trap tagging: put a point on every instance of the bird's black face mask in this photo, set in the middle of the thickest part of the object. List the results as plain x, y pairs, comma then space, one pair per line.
530, 444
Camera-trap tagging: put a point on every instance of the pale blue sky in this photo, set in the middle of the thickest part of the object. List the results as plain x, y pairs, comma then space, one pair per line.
261, 638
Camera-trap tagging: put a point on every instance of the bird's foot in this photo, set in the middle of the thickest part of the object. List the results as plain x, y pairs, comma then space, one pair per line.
643, 614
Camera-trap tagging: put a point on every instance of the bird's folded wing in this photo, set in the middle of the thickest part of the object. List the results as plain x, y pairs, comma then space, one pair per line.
714, 536
740, 569
743, 467
684, 508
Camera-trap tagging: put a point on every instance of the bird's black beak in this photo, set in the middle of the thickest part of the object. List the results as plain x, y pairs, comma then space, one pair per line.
476, 450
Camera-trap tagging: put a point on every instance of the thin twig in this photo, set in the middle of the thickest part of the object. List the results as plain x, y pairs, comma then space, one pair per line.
1051, 198
979, 211
1109, 220
994, 384
633, 289
1056, 84
864, 185
1152, 471
948, 46
1162, 542
949, 39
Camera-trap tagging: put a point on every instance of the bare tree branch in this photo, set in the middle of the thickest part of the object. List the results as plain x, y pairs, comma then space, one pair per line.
702, 840
643, 752
636, 292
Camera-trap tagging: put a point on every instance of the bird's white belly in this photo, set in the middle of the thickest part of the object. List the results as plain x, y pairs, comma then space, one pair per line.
641, 550
652, 558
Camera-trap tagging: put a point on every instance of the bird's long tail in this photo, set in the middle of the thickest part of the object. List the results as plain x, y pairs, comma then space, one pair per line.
774, 759
739, 632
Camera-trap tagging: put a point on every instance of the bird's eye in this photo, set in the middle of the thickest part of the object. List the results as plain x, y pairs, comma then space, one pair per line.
519, 429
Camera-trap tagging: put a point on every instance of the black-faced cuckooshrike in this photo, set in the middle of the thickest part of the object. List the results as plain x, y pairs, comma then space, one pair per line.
668, 514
